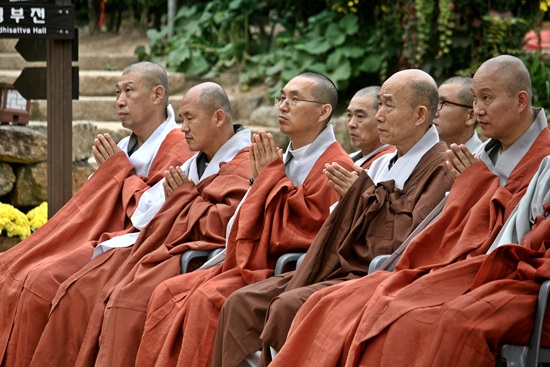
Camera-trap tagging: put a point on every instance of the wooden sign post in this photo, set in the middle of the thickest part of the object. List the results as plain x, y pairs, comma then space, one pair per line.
55, 23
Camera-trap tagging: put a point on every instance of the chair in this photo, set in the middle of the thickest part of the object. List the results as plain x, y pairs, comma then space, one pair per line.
196, 254
529, 355
288, 259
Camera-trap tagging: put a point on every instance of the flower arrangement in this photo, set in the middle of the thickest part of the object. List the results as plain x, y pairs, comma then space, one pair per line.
38, 216
14, 223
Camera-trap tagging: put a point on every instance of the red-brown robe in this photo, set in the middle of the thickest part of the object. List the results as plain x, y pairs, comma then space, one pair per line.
386, 150
101, 208
193, 217
324, 329
369, 221
277, 217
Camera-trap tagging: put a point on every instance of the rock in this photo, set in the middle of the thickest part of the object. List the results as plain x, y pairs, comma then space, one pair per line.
22, 144
7, 178
81, 172
31, 183
84, 133
31, 187
266, 116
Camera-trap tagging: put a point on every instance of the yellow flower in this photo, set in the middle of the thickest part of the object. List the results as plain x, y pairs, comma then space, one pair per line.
38, 216
13, 223
544, 4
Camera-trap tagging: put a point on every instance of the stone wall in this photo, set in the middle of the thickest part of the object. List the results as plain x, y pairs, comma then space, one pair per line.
23, 162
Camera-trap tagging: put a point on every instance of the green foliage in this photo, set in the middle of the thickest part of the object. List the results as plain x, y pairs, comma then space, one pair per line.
540, 78
355, 42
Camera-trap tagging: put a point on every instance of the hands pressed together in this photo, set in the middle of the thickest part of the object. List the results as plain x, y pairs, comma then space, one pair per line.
104, 148
460, 158
263, 151
174, 178
339, 178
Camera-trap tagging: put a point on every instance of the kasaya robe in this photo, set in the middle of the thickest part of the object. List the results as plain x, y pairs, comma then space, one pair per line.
100, 209
365, 162
275, 218
370, 220
472, 307
327, 324
195, 216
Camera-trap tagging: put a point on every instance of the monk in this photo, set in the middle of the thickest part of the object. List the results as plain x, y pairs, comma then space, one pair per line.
196, 203
362, 131
481, 200
287, 204
103, 206
454, 120
375, 216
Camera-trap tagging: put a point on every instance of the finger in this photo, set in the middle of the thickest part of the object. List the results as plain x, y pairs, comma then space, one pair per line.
262, 143
452, 169
100, 148
341, 170
167, 189
358, 169
272, 147
97, 156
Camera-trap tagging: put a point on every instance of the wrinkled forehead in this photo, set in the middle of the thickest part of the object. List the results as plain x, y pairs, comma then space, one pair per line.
394, 88
363, 102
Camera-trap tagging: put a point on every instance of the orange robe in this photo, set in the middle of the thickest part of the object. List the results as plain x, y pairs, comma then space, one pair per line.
369, 220
193, 217
275, 218
101, 208
348, 314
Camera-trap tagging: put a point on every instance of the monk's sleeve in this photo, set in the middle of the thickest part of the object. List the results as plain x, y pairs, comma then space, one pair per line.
212, 202
289, 215
174, 151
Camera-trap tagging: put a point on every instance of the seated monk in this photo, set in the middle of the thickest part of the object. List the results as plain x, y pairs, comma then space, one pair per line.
193, 206
374, 217
362, 130
381, 310
102, 207
454, 120
283, 211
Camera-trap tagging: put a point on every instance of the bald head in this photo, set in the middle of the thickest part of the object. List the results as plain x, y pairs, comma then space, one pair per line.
422, 89
511, 71
464, 92
324, 90
213, 97
408, 103
151, 75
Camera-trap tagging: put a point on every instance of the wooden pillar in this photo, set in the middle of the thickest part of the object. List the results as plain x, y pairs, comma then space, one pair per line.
60, 116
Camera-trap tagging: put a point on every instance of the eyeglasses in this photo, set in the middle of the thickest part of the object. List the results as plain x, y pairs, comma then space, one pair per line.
292, 101
442, 102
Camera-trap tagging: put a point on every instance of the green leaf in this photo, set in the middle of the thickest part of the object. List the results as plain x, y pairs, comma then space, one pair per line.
371, 64
342, 72
315, 46
334, 59
197, 64
349, 24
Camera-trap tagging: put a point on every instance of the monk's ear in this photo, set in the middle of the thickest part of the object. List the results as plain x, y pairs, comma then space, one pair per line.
159, 93
471, 119
326, 110
522, 99
219, 115
421, 117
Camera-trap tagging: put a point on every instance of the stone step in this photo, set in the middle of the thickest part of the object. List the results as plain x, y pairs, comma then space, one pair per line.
98, 82
109, 62
102, 108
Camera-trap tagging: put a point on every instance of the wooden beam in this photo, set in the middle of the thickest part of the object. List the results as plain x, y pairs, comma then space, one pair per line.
60, 116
